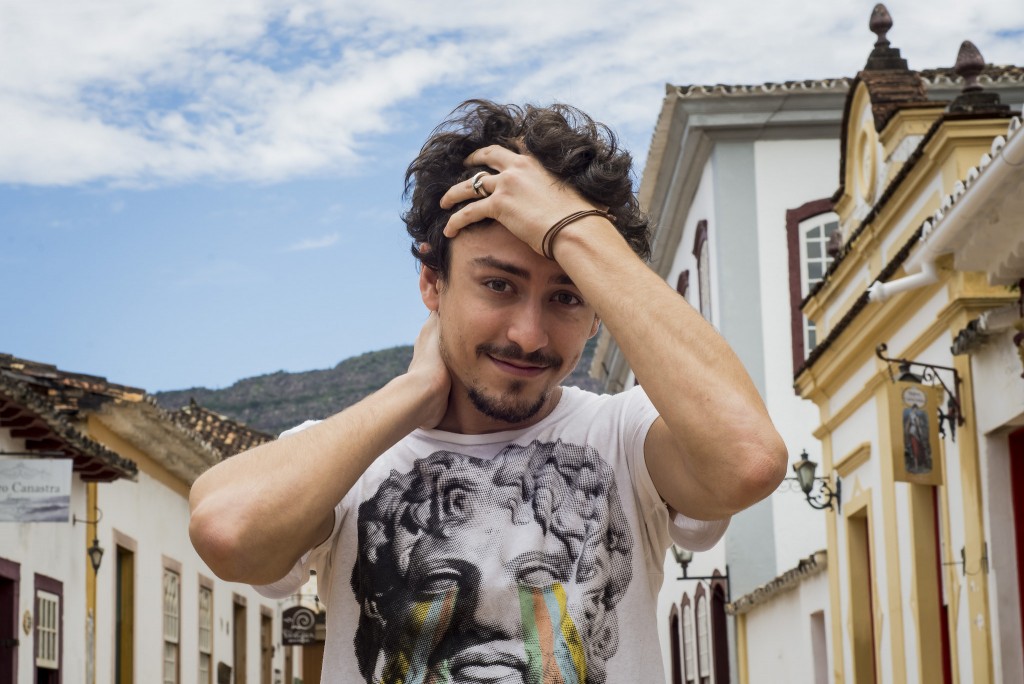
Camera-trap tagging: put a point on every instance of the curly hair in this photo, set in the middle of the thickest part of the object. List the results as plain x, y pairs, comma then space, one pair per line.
567, 142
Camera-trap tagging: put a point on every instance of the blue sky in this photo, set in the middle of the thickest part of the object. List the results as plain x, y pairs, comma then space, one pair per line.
194, 193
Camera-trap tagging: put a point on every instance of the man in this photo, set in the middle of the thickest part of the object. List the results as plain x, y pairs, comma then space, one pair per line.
474, 521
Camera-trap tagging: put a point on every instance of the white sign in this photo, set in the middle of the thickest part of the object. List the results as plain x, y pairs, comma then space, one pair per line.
35, 489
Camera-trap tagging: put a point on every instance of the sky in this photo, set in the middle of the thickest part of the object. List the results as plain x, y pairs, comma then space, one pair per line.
192, 193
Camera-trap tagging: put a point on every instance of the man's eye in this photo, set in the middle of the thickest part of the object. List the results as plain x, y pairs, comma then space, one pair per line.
497, 285
568, 299
437, 582
538, 576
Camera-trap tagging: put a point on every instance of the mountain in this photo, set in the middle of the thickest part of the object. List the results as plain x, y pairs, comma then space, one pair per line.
277, 401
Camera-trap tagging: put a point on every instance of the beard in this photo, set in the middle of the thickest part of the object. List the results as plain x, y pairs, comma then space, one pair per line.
511, 405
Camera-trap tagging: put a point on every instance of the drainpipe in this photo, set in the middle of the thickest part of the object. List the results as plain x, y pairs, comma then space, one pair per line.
1005, 158
90, 585
879, 291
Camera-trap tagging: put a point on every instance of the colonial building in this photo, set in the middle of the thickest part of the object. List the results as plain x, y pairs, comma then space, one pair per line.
916, 377
741, 184
104, 585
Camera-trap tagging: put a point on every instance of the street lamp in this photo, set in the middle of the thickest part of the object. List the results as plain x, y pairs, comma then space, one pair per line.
685, 556
95, 554
95, 551
804, 469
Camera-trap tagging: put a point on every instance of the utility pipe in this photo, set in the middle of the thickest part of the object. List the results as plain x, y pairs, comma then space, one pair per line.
879, 291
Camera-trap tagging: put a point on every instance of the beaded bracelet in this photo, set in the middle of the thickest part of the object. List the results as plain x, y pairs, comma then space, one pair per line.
548, 243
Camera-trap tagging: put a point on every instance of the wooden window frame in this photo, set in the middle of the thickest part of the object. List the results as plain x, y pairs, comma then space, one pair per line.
702, 248
794, 217
53, 587
11, 571
206, 585
171, 632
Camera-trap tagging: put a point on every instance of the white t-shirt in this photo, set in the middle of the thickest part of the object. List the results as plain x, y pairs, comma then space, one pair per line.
531, 555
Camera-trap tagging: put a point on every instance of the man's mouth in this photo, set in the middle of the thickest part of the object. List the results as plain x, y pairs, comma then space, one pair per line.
495, 662
511, 359
518, 368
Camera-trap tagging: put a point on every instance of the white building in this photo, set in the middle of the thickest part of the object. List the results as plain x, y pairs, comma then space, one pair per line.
152, 611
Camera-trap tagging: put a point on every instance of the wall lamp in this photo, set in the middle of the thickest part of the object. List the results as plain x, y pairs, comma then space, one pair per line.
805, 477
684, 556
95, 551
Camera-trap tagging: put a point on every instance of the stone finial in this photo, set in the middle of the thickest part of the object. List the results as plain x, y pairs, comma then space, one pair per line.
974, 99
969, 64
880, 23
883, 57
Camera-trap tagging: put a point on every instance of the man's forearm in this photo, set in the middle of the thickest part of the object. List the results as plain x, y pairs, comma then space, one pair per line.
699, 386
254, 514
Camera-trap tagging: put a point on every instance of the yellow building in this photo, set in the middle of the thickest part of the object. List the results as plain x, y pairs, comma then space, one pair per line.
925, 546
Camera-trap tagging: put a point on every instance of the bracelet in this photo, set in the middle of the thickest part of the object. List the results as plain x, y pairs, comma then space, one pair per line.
548, 243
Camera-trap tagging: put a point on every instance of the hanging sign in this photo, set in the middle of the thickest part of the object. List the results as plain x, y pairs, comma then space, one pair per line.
298, 626
35, 489
914, 429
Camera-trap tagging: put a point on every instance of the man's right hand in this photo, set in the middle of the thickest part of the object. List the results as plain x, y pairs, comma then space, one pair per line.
428, 364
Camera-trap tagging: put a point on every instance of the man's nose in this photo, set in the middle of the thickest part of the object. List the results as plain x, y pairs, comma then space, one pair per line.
527, 327
496, 611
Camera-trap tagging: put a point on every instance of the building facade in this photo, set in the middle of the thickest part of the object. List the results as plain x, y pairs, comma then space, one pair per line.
150, 611
741, 185
916, 378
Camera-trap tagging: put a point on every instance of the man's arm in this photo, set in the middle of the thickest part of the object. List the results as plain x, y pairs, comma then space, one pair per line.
714, 450
255, 514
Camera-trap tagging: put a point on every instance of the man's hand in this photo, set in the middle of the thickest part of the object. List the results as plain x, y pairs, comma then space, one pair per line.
428, 364
523, 196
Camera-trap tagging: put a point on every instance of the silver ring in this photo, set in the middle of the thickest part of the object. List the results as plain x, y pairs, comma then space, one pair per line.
478, 184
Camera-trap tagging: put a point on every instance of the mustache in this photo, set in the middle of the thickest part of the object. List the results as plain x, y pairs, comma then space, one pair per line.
513, 352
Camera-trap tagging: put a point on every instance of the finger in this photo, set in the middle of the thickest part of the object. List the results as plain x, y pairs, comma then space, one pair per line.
479, 186
473, 212
494, 156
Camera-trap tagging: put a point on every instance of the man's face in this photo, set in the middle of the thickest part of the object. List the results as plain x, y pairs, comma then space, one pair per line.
512, 327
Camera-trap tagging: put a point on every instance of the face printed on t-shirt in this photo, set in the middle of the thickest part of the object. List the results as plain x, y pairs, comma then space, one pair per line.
492, 570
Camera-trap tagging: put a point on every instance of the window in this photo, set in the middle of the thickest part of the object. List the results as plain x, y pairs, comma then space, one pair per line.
808, 229
814, 261
47, 630
700, 251
172, 615
703, 650
719, 630
674, 646
689, 652
205, 634
240, 632
683, 283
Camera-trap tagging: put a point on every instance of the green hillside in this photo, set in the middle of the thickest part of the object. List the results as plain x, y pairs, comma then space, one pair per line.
281, 400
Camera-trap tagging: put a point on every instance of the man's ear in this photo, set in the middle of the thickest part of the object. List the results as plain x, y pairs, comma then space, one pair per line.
594, 328
430, 287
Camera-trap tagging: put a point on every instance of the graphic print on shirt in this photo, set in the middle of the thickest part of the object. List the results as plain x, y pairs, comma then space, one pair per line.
492, 570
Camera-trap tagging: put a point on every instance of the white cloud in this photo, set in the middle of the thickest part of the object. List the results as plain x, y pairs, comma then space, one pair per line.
314, 243
151, 92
